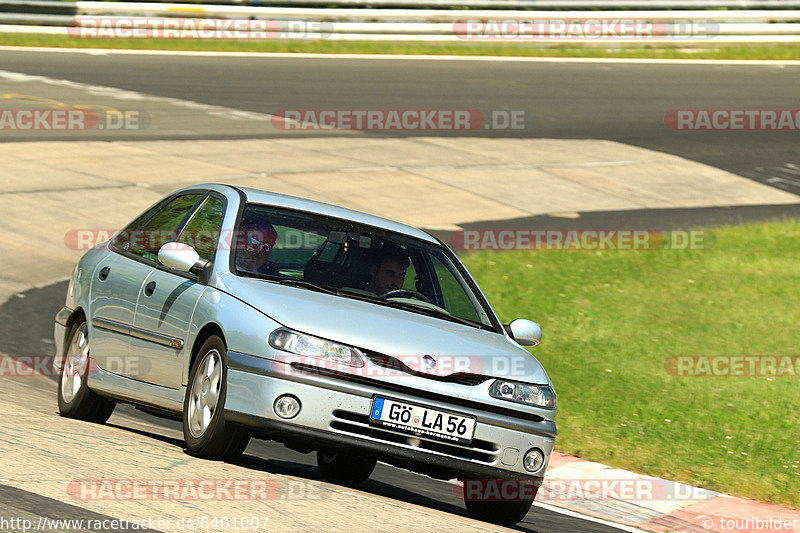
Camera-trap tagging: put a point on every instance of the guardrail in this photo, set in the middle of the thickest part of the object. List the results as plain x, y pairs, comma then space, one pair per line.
600, 5
85, 18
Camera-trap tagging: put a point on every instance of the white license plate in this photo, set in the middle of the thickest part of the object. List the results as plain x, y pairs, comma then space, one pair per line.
423, 421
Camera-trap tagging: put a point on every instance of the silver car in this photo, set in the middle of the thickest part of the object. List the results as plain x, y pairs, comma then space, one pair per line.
250, 314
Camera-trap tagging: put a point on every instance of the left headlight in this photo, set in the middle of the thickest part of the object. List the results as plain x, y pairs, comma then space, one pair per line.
307, 345
537, 395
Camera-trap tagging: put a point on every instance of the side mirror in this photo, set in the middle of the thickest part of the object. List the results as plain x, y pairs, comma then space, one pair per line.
525, 332
181, 257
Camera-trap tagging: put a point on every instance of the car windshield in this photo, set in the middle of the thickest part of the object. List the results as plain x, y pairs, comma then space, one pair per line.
356, 261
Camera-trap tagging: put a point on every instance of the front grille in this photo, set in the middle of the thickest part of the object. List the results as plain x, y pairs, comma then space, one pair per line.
357, 424
411, 391
462, 378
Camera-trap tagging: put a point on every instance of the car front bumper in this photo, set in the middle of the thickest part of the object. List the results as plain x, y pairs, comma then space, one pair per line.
335, 412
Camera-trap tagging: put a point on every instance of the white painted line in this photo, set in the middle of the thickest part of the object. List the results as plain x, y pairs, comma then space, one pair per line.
333, 56
573, 514
122, 94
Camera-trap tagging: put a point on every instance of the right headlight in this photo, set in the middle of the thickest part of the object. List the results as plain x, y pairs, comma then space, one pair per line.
536, 395
325, 350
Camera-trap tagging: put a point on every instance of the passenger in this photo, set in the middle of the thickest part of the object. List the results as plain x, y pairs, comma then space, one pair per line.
256, 243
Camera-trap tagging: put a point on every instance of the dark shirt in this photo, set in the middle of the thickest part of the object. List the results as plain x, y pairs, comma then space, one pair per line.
268, 269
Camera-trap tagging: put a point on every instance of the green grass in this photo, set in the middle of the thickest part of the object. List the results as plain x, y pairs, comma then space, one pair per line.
665, 51
610, 321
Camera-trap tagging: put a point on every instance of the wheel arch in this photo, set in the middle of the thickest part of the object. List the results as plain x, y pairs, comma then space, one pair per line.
208, 330
61, 351
74, 318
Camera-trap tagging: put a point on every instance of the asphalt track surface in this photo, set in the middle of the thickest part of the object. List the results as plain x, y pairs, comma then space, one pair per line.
624, 101
26, 322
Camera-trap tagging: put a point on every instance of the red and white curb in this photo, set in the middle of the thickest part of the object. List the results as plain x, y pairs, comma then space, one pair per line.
646, 503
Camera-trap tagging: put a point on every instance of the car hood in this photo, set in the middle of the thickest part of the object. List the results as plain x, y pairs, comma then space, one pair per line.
405, 335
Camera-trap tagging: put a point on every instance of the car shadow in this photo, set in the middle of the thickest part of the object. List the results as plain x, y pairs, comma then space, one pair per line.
254, 459
372, 486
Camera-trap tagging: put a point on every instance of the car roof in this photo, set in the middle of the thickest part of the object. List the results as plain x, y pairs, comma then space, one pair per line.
258, 196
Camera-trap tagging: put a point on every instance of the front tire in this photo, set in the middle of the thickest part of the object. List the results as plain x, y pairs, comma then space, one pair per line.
205, 430
75, 398
345, 467
501, 512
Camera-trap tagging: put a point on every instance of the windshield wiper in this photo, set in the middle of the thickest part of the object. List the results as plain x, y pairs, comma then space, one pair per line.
294, 282
360, 296
410, 306
430, 311
407, 306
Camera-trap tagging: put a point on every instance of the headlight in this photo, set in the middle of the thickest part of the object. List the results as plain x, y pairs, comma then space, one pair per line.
302, 344
537, 395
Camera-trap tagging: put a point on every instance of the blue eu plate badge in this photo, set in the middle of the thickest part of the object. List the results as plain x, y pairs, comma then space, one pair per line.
377, 408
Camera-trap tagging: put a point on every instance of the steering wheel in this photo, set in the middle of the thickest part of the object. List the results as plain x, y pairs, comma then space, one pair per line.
404, 293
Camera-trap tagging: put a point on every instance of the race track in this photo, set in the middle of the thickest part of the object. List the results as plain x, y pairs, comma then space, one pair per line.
620, 101
213, 99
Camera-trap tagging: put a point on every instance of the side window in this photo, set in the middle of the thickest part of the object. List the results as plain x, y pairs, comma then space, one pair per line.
456, 300
122, 240
411, 282
202, 231
148, 239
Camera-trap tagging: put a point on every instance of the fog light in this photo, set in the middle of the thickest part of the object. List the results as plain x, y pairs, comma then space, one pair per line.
534, 460
286, 406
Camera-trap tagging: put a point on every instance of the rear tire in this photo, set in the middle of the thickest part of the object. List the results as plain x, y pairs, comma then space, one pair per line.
345, 467
205, 430
75, 398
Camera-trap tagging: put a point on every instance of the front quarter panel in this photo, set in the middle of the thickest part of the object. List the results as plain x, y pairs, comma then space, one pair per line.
245, 328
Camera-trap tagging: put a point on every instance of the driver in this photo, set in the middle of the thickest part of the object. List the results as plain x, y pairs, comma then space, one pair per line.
387, 272
257, 243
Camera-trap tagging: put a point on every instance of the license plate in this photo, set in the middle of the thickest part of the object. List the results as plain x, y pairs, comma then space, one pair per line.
420, 420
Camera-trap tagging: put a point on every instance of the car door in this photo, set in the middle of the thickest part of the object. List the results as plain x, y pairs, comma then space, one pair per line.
113, 293
115, 287
167, 300
118, 280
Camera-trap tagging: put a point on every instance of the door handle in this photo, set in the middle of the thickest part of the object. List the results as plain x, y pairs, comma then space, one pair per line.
149, 288
104, 273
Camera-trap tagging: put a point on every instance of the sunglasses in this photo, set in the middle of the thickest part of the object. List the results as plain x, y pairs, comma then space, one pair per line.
256, 245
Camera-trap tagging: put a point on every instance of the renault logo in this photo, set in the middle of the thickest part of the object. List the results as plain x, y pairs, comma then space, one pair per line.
430, 362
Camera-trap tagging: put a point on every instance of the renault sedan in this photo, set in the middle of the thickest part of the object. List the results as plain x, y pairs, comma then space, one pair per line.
250, 314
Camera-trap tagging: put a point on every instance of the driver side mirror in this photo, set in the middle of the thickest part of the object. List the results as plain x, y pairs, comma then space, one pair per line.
181, 257
525, 332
